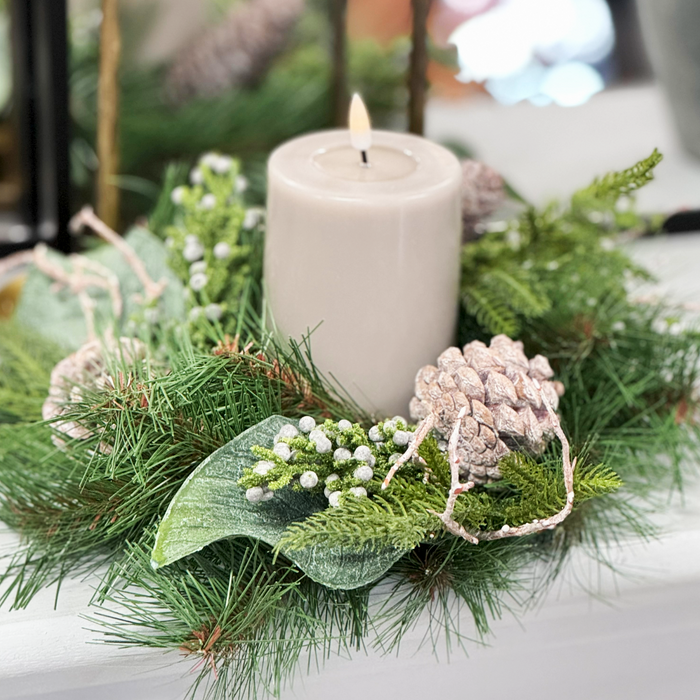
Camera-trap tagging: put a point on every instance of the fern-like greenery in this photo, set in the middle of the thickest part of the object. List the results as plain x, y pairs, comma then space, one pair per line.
553, 257
605, 192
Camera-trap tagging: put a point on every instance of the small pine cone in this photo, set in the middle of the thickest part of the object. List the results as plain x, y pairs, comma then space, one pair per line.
504, 393
235, 53
482, 194
85, 367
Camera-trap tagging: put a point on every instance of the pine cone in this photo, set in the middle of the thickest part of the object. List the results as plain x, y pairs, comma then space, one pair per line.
85, 367
482, 194
235, 53
502, 391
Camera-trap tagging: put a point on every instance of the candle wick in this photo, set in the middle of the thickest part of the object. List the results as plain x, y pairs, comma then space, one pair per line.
365, 162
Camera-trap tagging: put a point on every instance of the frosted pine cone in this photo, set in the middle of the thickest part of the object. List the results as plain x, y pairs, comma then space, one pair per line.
482, 194
503, 392
235, 53
85, 367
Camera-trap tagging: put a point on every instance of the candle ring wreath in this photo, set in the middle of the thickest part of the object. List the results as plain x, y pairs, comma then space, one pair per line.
235, 505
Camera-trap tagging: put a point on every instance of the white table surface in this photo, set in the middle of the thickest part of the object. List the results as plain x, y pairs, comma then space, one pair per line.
640, 642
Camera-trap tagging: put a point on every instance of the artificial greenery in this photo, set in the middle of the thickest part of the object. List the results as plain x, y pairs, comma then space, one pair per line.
215, 243
242, 607
56, 314
210, 507
158, 428
351, 457
555, 256
26, 361
404, 516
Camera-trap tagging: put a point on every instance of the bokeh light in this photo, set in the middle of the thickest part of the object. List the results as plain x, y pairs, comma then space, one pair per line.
538, 50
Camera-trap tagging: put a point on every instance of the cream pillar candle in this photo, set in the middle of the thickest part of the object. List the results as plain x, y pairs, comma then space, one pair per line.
365, 257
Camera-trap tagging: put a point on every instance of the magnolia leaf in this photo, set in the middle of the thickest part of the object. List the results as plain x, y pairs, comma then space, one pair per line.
57, 315
211, 506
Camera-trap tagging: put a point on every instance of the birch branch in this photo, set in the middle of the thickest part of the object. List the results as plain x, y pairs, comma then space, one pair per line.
112, 283
78, 281
87, 217
568, 467
456, 487
24, 257
421, 433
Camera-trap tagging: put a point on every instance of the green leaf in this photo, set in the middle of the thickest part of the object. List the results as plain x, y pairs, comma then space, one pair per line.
210, 506
57, 315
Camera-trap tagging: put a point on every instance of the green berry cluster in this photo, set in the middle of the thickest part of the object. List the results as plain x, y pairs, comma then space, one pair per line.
213, 239
337, 459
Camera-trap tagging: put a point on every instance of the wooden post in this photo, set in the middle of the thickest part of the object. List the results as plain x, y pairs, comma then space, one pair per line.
339, 86
417, 80
108, 115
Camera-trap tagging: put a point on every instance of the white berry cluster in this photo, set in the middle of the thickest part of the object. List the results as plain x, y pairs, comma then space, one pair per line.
339, 460
212, 238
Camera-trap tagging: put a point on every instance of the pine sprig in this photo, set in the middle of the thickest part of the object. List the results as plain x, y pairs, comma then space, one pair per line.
26, 361
86, 501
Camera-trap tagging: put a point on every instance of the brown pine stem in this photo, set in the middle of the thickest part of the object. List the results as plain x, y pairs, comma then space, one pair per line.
417, 77
108, 114
339, 85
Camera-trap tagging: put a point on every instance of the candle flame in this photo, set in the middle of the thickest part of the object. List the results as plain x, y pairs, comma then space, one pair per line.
360, 128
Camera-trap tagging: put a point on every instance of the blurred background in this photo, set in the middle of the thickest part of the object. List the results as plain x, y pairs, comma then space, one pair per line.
241, 76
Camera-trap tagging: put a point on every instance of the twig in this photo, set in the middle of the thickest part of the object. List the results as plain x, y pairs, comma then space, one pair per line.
78, 281
112, 283
568, 467
87, 305
87, 217
24, 257
421, 433
456, 487
417, 80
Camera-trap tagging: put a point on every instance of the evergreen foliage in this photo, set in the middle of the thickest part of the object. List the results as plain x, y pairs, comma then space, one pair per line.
246, 611
158, 427
403, 516
553, 257
26, 361
216, 244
